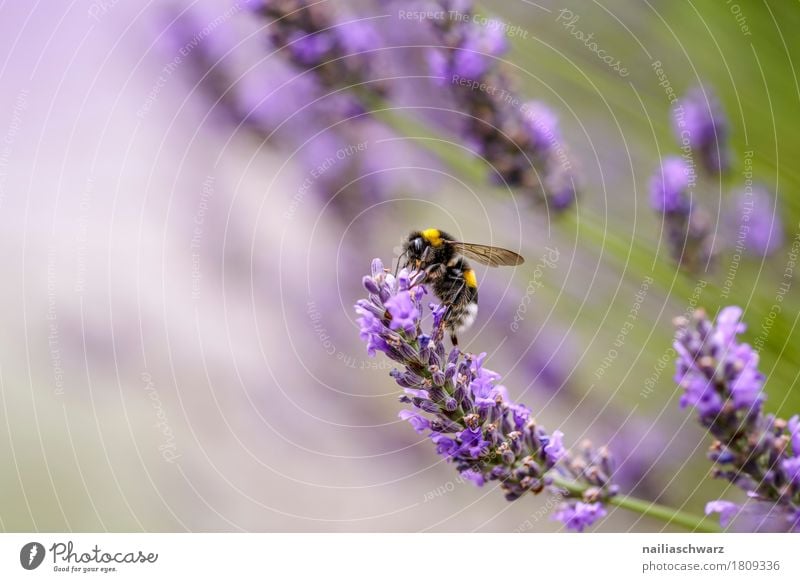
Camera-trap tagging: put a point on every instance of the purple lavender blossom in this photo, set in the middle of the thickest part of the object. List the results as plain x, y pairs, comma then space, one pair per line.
473, 57
340, 53
669, 187
753, 222
467, 415
474, 476
542, 124
721, 380
791, 467
794, 433
419, 422
555, 448
523, 152
309, 49
714, 370
403, 311
688, 228
519, 140
580, 515
726, 509
700, 125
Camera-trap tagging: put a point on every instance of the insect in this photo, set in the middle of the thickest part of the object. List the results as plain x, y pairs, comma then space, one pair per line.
441, 257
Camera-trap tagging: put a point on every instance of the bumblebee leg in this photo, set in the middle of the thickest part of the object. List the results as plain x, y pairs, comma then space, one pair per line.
457, 296
401, 261
435, 271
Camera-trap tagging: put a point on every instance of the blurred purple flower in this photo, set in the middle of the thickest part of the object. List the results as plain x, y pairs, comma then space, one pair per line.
791, 467
753, 222
475, 54
338, 52
522, 147
519, 140
669, 187
689, 232
794, 434
700, 125
358, 36
542, 123
309, 49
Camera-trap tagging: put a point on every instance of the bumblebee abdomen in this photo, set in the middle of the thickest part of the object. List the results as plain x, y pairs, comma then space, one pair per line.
458, 289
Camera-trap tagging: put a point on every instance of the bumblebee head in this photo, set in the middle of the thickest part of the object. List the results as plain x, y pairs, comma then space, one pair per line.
415, 249
423, 247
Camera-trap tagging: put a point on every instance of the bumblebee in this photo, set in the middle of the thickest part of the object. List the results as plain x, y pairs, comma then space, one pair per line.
442, 258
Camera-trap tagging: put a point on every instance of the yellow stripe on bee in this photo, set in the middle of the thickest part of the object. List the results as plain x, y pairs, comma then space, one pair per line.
433, 236
469, 277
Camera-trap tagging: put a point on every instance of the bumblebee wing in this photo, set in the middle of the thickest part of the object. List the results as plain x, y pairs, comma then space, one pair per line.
486, 255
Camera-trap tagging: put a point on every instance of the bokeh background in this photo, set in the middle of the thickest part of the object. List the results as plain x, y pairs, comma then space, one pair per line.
178, 348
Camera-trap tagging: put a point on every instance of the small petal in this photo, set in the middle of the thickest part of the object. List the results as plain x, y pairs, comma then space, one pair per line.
554, 450
419, 422
726, 509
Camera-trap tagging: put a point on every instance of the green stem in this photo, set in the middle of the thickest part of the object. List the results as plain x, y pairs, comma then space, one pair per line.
663, 513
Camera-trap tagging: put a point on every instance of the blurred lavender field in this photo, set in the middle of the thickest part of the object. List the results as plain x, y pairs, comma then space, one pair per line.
186, 219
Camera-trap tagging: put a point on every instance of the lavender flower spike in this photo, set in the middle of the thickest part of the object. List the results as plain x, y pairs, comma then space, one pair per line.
688, 228
753, 222
755, 451
457, 402
339, 53
519, 139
